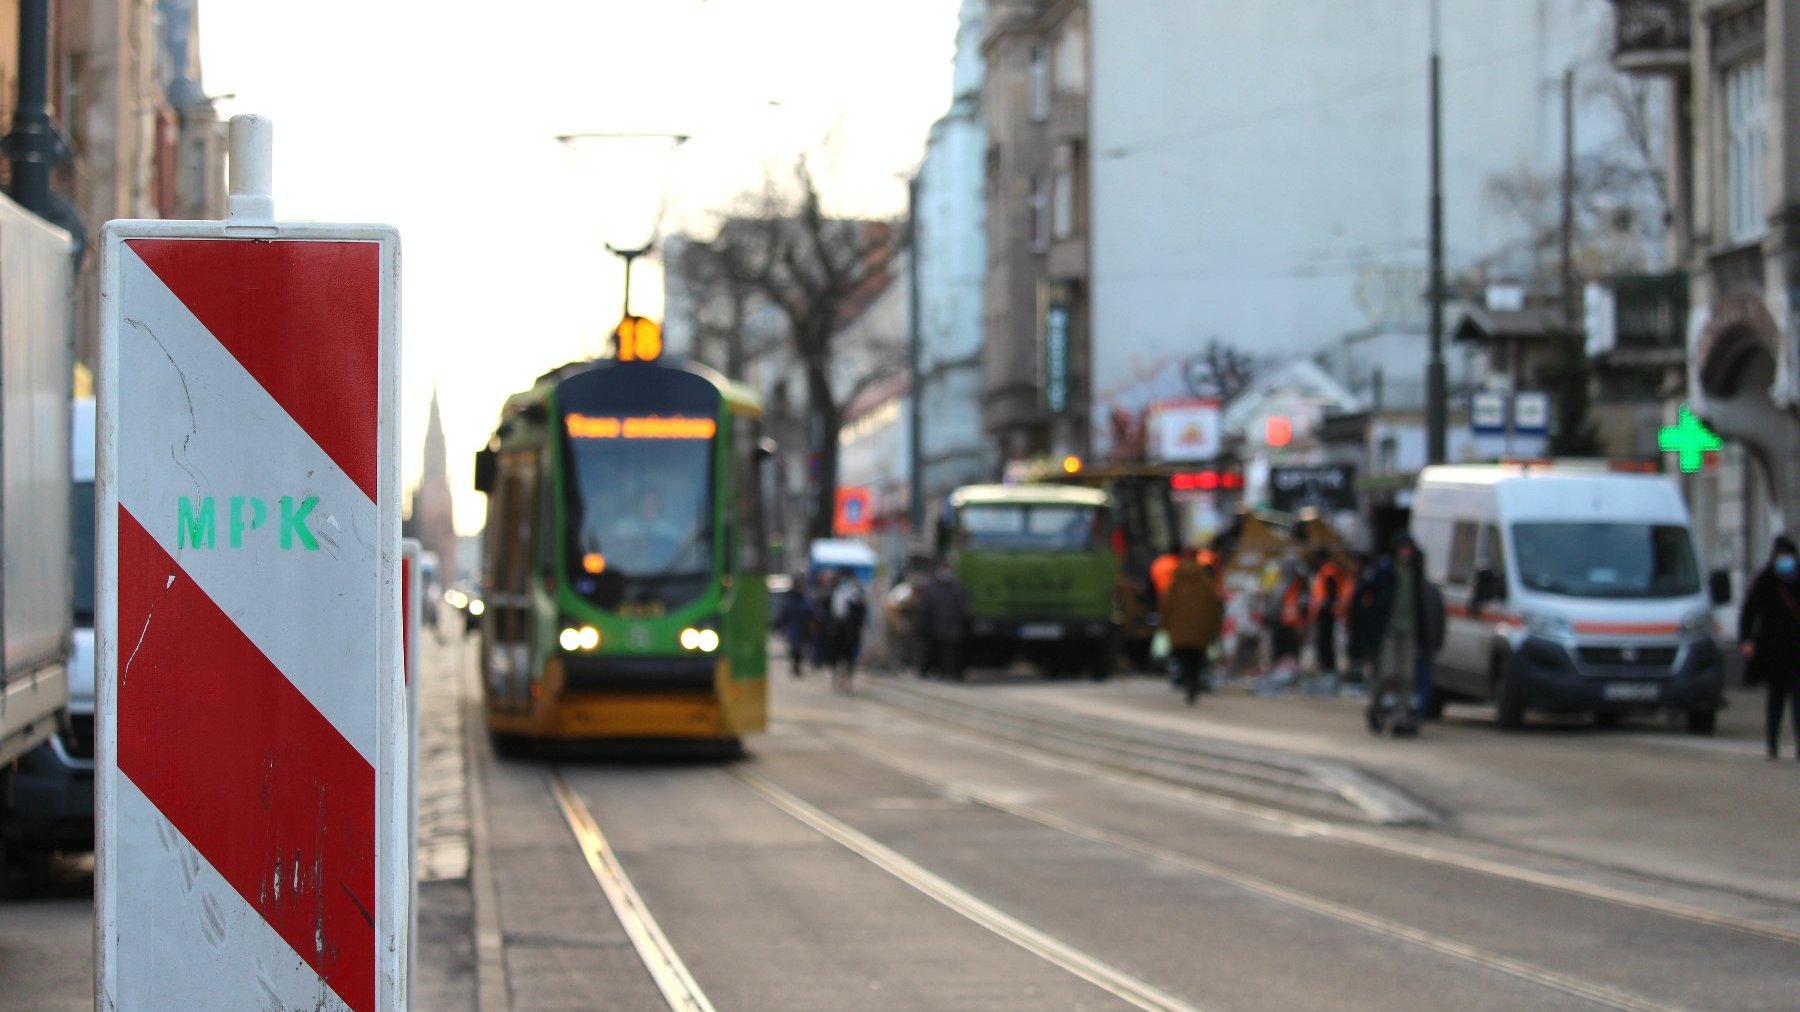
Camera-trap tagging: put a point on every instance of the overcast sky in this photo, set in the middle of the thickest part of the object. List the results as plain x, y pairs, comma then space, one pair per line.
441, 119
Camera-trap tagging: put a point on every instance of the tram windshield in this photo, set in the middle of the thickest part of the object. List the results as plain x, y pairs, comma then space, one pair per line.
640, 451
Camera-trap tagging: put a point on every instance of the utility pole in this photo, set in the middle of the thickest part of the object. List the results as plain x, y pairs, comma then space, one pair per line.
1435, 413
1568, 205
914, 352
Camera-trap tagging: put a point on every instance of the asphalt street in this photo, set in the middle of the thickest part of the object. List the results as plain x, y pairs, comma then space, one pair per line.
1016, 844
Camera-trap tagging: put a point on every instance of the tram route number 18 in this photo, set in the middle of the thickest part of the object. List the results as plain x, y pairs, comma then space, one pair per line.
638, 339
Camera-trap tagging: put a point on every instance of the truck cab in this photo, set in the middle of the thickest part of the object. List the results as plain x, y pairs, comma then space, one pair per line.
1042, 576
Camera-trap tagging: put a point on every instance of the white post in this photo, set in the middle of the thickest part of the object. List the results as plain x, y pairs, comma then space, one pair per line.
251, 167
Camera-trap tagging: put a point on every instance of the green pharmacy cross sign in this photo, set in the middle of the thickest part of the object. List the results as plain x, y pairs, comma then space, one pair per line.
1689, 439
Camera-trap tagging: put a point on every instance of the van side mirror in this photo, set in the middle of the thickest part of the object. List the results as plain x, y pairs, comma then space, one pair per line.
485, 462
1719, 582
1487, 587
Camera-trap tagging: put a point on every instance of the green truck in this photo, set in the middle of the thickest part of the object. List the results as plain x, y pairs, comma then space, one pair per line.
1041, 571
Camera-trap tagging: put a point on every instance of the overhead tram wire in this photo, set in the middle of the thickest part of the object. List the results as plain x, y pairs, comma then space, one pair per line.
1371, 87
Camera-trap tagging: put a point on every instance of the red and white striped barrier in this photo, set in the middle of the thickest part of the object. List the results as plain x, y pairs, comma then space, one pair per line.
253, 774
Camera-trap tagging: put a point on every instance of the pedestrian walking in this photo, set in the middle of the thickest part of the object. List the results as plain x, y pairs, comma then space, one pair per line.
1426, 701
849, 614
1193, 614
946, 622
823, 635
1398, 628
797, 621
1769, 634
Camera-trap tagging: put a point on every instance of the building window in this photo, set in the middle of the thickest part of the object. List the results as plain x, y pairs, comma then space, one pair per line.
1040, 84
1040, 213
1062, 190
1745, 147
1071, 61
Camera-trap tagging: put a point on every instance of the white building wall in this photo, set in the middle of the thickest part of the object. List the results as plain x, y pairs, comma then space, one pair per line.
952, 253
1260, 169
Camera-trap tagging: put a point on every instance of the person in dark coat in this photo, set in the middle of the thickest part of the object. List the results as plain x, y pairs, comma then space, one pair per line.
1431, 640
1400, 629
1359, 648
797, 620
1769, 631
946, 621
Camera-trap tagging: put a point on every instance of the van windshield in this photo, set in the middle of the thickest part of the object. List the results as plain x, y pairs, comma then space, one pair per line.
1606, 559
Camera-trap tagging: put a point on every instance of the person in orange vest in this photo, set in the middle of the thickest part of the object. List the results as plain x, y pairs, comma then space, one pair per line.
1290, 625
1328, 587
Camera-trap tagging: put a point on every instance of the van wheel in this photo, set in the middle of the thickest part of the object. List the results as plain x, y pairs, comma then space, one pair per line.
1509, 707
1702, 721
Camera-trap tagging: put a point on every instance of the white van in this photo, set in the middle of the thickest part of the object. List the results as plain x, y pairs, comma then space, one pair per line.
1569, 589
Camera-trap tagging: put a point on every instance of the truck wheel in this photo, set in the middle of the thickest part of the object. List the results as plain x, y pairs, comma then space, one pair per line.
1702, 721
1101, 667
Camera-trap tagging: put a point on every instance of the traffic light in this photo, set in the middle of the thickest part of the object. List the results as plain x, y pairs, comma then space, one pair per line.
1278, 431
638, 339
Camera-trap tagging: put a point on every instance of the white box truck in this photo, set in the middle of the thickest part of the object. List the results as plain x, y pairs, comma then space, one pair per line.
52, 805
1570, 589
36, 562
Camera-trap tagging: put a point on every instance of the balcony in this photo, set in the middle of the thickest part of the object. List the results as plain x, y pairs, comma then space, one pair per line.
1651, 36
1649, 319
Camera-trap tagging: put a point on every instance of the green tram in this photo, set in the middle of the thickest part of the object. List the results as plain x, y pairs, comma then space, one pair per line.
624, 558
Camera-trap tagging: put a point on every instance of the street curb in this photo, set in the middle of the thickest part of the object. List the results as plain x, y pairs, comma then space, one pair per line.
1266, 776
491, 992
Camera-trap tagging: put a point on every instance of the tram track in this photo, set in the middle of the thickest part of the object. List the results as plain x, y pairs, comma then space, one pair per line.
1568, 984
1237, 806
1031, 934
1053, 950
678, 986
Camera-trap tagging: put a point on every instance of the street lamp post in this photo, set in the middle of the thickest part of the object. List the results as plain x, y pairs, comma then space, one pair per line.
629, 255
1435, 414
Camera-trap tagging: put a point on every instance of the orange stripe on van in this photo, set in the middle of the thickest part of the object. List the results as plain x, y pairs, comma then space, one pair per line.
1454, 609
1628, 628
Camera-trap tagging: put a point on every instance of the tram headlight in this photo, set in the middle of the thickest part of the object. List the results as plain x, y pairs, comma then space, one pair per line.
575, 639
477, 606
704, 640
